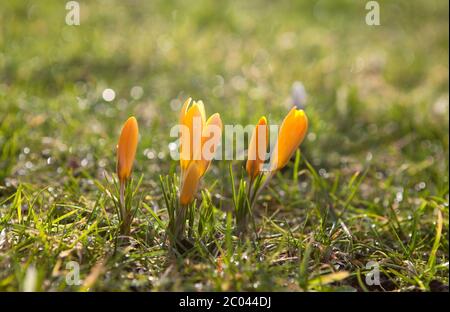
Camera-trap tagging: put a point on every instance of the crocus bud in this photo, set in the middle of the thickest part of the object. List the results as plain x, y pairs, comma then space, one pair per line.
126, 148
257, 148
291, 133
190, 183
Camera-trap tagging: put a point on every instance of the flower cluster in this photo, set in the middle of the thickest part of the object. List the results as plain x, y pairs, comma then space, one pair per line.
199, 140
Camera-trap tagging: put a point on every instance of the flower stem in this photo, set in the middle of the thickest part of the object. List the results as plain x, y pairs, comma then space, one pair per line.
257, 191
122, 199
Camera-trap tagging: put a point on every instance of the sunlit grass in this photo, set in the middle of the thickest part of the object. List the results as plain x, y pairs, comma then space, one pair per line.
370, 184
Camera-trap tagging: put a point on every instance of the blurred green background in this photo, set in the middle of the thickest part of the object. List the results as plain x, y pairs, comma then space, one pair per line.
378, 96
371, 89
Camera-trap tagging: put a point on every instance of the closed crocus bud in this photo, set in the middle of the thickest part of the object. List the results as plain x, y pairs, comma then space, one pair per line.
126, 149
290, 135
257, 148
190, 183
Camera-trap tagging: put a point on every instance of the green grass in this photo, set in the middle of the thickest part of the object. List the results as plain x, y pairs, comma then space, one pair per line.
371, 183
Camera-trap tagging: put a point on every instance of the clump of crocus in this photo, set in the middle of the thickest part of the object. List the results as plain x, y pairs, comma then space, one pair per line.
290, 135
126, 152
199, 138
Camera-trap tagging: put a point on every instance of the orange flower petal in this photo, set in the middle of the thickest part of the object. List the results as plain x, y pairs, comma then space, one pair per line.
190, 138
257, 148
190, 184
290, 135
212, 132
126, 148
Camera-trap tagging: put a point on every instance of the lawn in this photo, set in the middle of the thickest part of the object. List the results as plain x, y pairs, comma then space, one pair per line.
369, 189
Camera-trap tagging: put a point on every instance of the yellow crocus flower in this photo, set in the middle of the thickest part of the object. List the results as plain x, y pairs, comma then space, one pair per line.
290, 135
126, 149
192, 118
198, 142
189, 184
211, 134
257, 148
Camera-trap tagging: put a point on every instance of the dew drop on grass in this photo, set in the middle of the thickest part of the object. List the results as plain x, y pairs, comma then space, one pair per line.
399, 196
198, 286
84, 162
323, 173
136, 92
108, 95
420, 186
172, 146
2, 238
312, 136
149, 153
